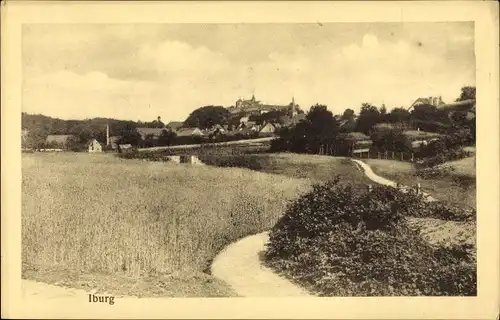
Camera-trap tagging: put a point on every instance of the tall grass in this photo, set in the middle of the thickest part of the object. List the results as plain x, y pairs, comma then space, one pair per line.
97, 213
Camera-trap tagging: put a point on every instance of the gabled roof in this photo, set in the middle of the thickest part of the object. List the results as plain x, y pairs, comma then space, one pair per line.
150, 131
91, 141
174, 125
245, 131
58, 138
356, 136
185, 132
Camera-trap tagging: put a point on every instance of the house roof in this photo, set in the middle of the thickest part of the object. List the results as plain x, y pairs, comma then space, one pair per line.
184, 132
58, 138
148, 131
356, 136
465, 104
174, 125
434, 101
114, 138
245, 131
92, 141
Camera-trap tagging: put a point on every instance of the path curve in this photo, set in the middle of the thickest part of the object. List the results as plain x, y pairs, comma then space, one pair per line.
378, 179
239, 265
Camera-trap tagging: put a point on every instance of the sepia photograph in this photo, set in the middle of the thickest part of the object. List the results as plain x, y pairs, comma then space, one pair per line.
248, 160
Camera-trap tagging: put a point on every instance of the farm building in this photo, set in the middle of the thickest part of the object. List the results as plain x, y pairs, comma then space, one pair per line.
269, 127
94, 146
353, 143
125, 148
174, 125
247, 124
215, 130
432, 101
150, 132
189, 132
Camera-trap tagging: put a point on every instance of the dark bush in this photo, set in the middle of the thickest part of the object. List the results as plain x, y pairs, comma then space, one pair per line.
340, 240
435, 172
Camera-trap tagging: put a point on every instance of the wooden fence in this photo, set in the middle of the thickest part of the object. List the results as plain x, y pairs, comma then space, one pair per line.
387, 155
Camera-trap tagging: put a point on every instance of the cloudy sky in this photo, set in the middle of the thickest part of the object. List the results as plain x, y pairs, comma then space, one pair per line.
141, 71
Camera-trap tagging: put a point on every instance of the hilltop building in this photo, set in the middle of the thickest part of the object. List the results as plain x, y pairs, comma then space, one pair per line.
431, 101
256, 107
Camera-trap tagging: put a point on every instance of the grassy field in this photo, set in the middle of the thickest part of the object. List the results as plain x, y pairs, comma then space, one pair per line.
445, 189
140, 228
314, 167
464, 167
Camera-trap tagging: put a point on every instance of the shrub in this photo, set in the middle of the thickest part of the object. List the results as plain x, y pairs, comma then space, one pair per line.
339, 240
435, 172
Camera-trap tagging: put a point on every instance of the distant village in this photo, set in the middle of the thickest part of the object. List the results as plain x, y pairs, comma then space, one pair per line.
247, 119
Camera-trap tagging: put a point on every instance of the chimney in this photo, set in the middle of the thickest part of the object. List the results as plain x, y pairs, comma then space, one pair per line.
107, 134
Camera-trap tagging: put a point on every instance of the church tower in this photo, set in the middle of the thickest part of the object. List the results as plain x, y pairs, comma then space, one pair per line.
107, 134
294, 107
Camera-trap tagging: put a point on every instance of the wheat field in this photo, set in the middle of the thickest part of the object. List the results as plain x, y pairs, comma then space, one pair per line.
101, 214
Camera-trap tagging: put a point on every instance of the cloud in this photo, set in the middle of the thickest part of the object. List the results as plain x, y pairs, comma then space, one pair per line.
182, 76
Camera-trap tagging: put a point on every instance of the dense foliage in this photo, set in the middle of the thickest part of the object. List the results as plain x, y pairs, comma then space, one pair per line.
446, 148
339, 240
206, 117
319, 128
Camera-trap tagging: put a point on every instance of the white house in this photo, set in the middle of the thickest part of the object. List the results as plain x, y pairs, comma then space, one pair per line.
94, 146
269, 127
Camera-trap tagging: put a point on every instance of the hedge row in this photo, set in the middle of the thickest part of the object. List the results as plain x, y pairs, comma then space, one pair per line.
339, 241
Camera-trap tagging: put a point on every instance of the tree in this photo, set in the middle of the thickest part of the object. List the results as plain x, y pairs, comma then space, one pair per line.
467, 93
368, 117
166, 137
274, 116
399, 116
320, 128
130, 136
208, 116
348, 115
383, 113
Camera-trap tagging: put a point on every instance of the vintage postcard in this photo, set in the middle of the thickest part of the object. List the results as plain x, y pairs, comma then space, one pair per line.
250, 160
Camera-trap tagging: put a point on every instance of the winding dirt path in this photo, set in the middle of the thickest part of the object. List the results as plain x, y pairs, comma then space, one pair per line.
239, 265
378, 179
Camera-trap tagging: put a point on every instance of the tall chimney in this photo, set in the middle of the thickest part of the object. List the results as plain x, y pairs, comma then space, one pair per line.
107, 134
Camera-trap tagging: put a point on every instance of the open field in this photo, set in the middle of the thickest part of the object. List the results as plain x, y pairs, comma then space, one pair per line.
140, 228
243, 143
464, 167
448, 188
314, 167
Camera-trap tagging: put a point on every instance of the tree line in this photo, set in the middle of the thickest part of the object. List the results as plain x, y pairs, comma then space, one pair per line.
385, 129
